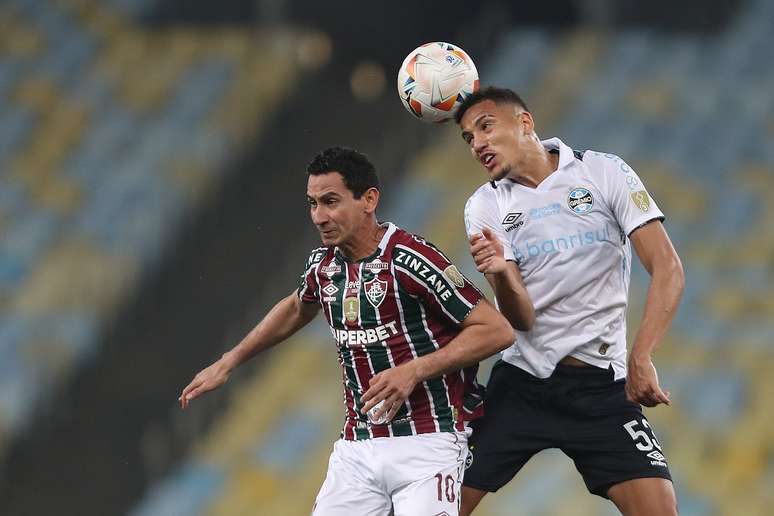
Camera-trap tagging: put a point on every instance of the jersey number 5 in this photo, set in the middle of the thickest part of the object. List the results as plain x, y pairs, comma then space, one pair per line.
642, 440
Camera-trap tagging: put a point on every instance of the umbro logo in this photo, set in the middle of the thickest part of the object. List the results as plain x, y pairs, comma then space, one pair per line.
656, 455
513, 221
658, 458
330, 289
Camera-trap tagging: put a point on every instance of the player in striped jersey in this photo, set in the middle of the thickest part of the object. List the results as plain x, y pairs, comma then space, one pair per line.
409, 330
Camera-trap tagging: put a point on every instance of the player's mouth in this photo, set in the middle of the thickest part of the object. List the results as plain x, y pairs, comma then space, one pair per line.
488, 160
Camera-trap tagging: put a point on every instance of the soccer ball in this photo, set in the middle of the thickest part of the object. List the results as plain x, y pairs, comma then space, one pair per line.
434, 79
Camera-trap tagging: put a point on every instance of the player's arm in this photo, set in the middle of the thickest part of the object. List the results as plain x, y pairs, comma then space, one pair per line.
660, 259
505, 278
286, 318
484, 333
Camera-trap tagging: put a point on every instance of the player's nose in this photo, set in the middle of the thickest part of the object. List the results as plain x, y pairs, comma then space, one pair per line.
318, 216
478, 145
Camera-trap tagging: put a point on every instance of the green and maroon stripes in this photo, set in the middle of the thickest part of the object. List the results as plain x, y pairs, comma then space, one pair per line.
377, 352
308, 289
418, 300
419, 418
430, 282
438, 406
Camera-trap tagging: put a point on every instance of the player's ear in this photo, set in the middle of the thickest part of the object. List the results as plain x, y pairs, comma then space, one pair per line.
371, 198
527, 122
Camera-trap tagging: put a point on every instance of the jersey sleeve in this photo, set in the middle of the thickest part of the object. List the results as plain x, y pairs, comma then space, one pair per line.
482, 211
308, 289
630, 201
426, 273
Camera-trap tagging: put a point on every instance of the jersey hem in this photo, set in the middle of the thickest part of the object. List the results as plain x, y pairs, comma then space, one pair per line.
660, 218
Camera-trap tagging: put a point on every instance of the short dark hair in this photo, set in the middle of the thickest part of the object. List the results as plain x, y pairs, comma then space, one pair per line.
358, 172
493, 93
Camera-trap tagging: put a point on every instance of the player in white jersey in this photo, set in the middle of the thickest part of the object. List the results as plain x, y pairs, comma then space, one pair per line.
551, 231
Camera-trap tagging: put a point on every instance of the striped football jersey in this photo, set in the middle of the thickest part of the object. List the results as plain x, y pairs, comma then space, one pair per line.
404, 301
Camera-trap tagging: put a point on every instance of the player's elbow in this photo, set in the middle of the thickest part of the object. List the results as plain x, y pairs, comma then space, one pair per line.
523, 321
502, 335
672, 269
679, 274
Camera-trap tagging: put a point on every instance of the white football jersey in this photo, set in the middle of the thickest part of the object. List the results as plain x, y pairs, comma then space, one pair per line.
569, 237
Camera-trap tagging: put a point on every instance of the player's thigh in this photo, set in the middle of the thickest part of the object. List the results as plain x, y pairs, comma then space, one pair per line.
350, 486
436, 488
615, 448
424, 473
515, 426
644, 497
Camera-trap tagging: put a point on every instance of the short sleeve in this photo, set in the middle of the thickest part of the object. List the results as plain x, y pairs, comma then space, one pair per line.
630, 201
308, 287
482, 211
426, 273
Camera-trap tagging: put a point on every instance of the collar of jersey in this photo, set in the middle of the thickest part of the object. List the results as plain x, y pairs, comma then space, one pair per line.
379, 248
566, 157
565, 153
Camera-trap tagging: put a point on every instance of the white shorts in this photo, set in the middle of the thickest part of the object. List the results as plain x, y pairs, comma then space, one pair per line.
416, 475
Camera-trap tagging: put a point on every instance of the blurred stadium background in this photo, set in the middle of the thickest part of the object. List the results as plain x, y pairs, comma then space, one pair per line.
152, 159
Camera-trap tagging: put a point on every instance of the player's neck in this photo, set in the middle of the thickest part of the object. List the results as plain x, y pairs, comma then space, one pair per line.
537, 167
364, 243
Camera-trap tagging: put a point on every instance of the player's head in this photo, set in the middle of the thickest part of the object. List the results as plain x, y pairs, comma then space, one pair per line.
343, 192
498, 127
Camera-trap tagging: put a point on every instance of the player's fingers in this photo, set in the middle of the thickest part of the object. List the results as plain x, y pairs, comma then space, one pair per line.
480, 262
487, 233
184, 396
479, 246
474, 237
652, 397
662, 397
480, 257
195, 393
375, 385
383, 410
370, 393
394, 410
372, 397
483, 266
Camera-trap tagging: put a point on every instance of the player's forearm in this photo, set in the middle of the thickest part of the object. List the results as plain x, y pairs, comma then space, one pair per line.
282, 321
512, 299
666, 289
473, 344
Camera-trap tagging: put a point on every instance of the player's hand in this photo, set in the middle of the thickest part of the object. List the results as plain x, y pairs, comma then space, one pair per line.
642, 383
394, 386
487, 252
208, 379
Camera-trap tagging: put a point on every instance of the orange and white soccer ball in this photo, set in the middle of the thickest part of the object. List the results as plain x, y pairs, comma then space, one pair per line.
434, 79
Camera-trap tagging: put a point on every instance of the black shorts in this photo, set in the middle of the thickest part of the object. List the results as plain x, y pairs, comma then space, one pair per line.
582, 411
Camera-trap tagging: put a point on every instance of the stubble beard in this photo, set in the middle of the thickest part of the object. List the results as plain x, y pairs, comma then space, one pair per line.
502, 174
